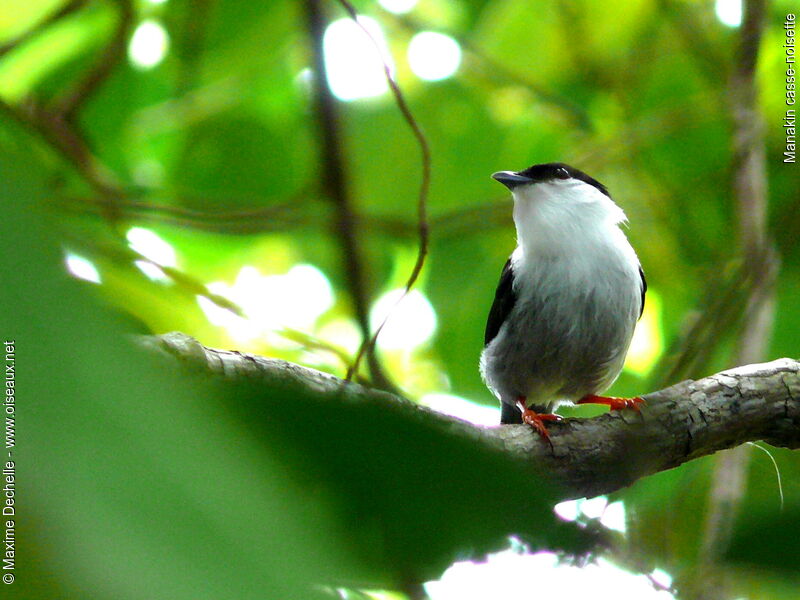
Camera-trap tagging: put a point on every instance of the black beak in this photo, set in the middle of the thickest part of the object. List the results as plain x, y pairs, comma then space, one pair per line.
511, 179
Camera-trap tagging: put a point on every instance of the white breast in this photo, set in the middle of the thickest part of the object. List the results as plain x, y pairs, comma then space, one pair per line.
578, 296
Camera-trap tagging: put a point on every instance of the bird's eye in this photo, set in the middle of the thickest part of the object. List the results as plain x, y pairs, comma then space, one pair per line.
562, 173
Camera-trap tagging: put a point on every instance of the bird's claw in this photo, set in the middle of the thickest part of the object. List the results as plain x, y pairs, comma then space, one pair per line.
613, 402
632, 403
536, 421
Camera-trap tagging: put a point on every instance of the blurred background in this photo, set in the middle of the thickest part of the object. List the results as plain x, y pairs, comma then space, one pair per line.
243, 173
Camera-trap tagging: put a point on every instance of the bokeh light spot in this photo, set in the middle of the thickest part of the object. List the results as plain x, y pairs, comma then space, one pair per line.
411, 321
149, 245
613, 516
593, 507
148, 45
648, 342
293, 300
152, 272
499, 577
661, 577
398, 7
82, 268
354, 65
433, 56
729, 12
568, 510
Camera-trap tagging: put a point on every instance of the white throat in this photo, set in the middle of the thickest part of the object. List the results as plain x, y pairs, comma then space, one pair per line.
565, 216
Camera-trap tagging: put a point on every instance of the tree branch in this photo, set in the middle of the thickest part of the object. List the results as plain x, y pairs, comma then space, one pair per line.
56, 122
303, 209
729, 483
332, 174
74, 98
589, 456
368, 346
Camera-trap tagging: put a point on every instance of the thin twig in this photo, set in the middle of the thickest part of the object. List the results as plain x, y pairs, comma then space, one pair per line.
64, 140
67, 106
422, 200
298, 211
254, 220
335, 185
56, 123
729, 483
724, 309
313, 343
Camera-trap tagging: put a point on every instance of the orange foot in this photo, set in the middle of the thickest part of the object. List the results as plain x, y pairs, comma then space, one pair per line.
613, 402
536, 420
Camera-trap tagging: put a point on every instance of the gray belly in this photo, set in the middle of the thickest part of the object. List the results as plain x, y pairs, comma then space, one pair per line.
562, 345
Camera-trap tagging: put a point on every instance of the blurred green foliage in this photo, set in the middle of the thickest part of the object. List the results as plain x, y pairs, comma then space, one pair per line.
140, 483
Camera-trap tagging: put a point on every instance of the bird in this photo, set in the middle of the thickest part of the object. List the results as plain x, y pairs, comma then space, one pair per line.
568, 299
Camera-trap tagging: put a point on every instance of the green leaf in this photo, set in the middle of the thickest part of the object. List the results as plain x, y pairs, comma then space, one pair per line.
134, 478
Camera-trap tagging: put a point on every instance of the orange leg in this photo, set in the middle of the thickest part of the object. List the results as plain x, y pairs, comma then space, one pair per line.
613, 402
536, 420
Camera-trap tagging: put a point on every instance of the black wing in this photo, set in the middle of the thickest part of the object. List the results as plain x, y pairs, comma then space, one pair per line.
504, 299
644, 289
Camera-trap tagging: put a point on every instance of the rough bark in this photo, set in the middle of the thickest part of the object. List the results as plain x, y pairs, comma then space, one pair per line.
588, 456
